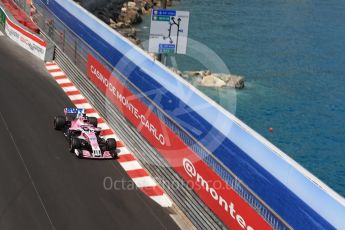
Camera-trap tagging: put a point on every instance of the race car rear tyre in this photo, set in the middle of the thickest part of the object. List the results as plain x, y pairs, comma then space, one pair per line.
111, 144
93, 121
59, 122
74, 144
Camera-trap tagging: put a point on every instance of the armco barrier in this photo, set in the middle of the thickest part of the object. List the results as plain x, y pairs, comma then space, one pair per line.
262, 177
31, 42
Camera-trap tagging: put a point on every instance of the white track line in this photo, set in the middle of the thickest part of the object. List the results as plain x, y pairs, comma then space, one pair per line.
145, 181
69, 89
62, 81
163, 200
94, 115
1, 34
53, 67
123, 151
111, 136
58, 74
76, 97
130, 165
103, 126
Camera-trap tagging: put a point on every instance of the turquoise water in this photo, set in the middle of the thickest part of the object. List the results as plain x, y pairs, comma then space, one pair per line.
292, 55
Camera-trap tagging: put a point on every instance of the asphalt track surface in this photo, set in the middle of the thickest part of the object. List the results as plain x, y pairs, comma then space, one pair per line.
42, 185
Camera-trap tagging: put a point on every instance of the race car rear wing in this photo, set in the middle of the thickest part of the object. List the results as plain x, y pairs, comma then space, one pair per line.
74, 110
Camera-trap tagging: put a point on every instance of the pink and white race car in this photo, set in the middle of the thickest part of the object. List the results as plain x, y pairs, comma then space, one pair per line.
84, 136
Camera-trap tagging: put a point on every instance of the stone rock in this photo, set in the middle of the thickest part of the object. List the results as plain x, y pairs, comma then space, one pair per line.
131, 17
147, 6
212, 81
153, 55
131, 4
233, 81
135, 41
195, 73
237, 83
112, 23
127, 32
143, 11
207, 73
120, 25
209, 79
175, 70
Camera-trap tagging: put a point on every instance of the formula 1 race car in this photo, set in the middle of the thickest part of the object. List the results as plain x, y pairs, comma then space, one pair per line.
84, 136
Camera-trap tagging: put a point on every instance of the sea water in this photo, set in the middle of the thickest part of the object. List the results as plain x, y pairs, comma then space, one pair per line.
292, 55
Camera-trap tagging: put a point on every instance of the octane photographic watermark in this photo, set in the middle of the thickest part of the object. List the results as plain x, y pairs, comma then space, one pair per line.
111, 184
118, 185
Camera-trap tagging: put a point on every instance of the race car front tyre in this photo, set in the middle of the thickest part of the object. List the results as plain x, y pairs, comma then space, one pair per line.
78, 153
111, 144
113, 154
93, 121
74, 144
59, 122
